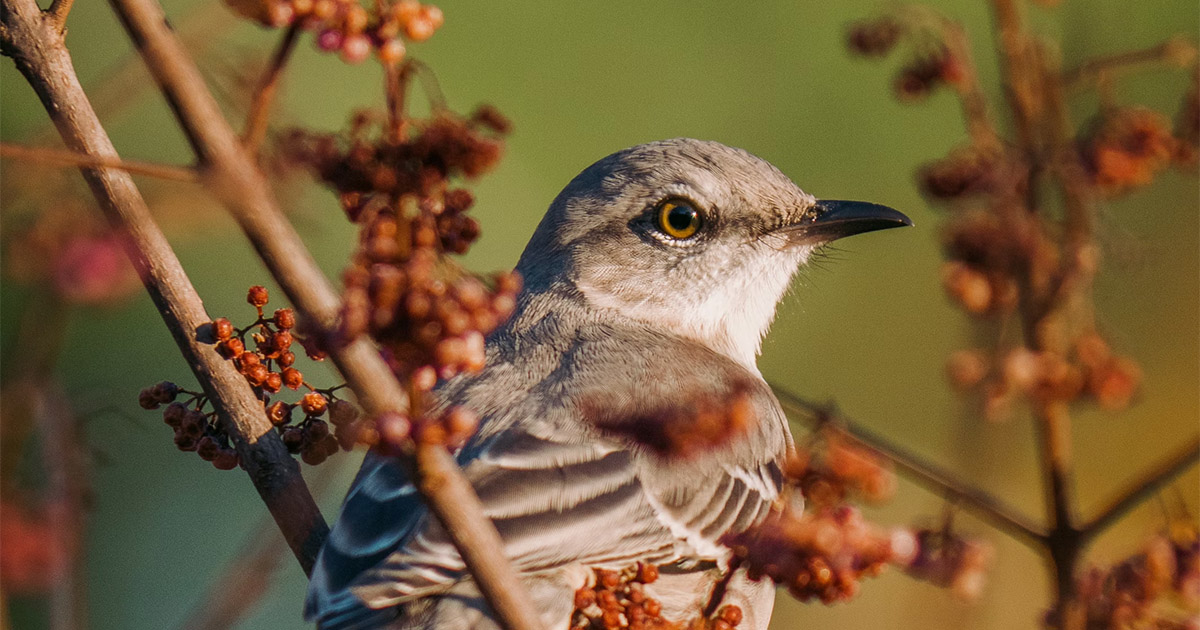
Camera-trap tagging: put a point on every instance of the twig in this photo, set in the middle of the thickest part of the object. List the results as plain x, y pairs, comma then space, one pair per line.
45, 63
974, 104
1142, 488
260, 108
57, 13
248, 197
1176, 51
71, 158
931, 476
63, 456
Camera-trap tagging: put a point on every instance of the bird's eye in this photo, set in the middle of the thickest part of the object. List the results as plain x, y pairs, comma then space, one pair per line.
678, 218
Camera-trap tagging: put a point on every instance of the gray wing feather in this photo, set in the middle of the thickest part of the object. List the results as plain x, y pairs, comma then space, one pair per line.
558, 491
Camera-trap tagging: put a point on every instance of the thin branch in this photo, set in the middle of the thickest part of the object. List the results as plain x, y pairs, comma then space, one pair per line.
1175, 51
57, 13
72, 158
247, 195
45, 63
931, 476
65, 460
970, 94
1143, 488
260, 109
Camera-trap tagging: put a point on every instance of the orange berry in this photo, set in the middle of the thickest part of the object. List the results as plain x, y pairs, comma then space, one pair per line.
273, 383
279, 412
222, 328
257, 296
314, 404
286, 359
231, 348
285, 318
292, 378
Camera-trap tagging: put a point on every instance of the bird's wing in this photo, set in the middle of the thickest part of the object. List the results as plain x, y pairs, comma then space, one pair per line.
558, 491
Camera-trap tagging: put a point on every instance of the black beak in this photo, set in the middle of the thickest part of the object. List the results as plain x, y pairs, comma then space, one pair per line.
832, 220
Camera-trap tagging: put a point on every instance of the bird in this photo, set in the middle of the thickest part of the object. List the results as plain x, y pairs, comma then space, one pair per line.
653, 275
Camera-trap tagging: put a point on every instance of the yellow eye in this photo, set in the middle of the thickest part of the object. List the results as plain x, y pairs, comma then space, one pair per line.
678, 219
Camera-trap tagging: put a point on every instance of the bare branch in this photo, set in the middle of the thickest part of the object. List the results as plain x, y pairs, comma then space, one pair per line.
248, 196
57, 13
1143, 488
71, 158
1176, 51
45, 63
932, 477
260, 108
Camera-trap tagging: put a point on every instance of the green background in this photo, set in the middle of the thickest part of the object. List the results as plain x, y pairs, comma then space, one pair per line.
869, 328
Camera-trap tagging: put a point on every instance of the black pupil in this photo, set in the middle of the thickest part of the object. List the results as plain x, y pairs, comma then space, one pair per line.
681, 217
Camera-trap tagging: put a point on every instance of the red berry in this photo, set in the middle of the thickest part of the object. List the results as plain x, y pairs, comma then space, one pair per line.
279, 412
231, 348
273, 383
222, 328
207, 448
286, 359
314, 404
226, 459
257, 296
292, 378
285, 318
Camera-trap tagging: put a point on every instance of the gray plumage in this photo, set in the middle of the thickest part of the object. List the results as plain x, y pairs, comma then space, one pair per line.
615, 311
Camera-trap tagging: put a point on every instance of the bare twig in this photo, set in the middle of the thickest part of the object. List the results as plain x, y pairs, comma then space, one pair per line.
260, 108
45, 63
64, 458
249, 199
1142, 488
71, 158
929, 475
57, 13
1175, 51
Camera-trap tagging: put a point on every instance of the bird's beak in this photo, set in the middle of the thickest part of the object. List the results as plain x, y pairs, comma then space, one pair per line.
830, 220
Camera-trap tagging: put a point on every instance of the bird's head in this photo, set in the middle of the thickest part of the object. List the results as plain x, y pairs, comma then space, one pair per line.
693, 237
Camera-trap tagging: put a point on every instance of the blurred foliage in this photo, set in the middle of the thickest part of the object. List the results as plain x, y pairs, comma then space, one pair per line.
867, 326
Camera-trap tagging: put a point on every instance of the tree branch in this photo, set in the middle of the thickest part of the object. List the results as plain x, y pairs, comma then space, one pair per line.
43, 60
260, 108
57, 13
71, 158
248, 197
1175, 51
926, 474
1142, 488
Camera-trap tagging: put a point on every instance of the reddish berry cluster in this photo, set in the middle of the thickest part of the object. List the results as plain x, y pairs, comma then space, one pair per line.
949, 560
451, 428
931, 66
1126, 147
37, 552
1091, 370
65, 250
428, 316
820, 555
705, 422
346, 27
619, 600
842, 466
968, 172
1139, 592
268, 369
195, 430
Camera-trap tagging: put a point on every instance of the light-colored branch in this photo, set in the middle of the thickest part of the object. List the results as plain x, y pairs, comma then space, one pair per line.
248, 197
71, 158
931, 476
41, 57
57, 13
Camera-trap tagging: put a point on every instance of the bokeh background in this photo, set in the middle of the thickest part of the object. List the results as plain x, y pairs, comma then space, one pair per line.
870, 328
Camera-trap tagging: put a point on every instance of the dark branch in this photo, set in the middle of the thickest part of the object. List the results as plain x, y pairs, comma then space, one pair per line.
1143, 488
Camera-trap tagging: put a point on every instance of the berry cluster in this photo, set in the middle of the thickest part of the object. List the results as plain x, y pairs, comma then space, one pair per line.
450, 428
618, 599
1126, 147
943, 557
1139, 592
195, 429
819, 555
827, 475
1091, 370
268, 368
703, 423
428, 316
346, 27
932, 64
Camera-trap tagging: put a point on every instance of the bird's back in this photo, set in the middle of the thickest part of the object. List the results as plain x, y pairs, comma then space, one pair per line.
564, 495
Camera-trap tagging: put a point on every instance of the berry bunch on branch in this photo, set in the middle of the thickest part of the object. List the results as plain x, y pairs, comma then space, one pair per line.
1016, 260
